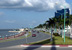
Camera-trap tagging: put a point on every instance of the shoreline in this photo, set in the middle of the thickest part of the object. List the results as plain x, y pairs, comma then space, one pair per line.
14, 31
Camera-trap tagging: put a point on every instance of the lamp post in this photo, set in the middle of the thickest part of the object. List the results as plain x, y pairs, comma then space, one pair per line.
26, 38
51, 29
64, 19
64, 22
30, 27
46, 24
51, 33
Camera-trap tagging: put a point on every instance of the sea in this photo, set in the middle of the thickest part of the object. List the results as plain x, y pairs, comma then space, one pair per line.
5, 32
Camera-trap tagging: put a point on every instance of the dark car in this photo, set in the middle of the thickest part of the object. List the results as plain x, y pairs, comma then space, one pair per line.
33, 31
33, 35
37, 31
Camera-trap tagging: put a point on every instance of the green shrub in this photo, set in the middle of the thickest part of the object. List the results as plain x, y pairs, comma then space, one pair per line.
56, 34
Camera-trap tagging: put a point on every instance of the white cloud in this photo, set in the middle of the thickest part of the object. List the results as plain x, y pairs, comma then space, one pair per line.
10, 21
34, 5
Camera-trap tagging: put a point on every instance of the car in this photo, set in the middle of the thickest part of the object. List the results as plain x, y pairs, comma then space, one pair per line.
33, 31
33, 35
37, 31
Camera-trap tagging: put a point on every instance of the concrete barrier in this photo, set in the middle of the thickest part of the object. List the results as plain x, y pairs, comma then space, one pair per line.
15, 36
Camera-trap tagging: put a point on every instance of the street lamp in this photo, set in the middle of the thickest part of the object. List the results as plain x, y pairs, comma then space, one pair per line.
47, 24
26, 37
64, 21
51, 29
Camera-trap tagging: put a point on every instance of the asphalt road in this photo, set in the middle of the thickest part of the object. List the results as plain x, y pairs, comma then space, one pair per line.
67, 35
36, 48
39, 36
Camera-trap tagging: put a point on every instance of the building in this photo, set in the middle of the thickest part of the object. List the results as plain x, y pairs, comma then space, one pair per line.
60, 13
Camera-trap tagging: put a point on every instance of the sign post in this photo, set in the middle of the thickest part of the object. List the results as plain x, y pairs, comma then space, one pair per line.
26, 37
51, 33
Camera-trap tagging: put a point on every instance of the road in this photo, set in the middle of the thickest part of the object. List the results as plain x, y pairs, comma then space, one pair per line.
67, 35
35, 48
40, 36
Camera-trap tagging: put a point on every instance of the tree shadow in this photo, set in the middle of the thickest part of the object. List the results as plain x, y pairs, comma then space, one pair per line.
31, 48
53, 44
42, 43
38, 45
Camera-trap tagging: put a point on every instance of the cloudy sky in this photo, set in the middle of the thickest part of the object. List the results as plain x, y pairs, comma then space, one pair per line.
29, 13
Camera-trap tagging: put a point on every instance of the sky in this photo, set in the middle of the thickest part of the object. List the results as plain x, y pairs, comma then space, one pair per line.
29, 13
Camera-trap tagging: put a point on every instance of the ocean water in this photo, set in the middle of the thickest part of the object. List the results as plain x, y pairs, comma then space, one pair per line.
4, 32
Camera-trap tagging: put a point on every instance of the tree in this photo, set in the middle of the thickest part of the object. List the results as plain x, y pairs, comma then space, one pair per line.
59, 22
40, 26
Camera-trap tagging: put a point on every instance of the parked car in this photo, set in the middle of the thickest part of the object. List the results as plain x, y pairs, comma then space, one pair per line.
33, 35
37, 31
33, 31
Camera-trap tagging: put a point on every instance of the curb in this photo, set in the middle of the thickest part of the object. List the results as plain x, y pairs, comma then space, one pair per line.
45, 45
